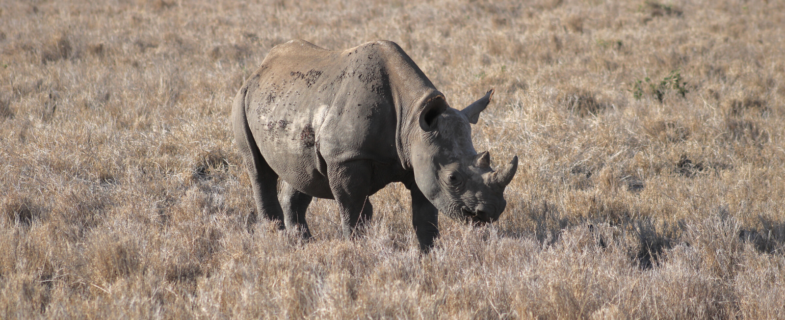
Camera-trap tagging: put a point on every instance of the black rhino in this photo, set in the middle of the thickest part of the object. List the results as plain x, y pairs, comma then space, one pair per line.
343, 124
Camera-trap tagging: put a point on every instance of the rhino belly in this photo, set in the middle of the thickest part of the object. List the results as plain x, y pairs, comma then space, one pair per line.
288, 144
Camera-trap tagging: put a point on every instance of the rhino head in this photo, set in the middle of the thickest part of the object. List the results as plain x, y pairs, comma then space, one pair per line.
447, 169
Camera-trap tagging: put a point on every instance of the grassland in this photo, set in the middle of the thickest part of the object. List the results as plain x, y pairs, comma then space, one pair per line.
650, 136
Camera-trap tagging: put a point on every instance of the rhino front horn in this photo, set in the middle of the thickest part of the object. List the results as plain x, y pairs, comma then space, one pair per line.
504, 176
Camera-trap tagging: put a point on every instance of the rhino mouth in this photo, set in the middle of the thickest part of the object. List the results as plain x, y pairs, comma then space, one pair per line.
477, 217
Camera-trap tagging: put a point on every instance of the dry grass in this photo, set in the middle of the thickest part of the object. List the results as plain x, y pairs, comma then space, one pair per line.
122, 196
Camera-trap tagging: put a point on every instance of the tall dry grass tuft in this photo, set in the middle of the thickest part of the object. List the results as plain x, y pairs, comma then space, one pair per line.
648, 132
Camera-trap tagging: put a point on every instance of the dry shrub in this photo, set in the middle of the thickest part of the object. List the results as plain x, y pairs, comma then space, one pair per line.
717, 238
748, 105
208, 162
299, 293
667, 131
96, 49
581, 176
114, 259
607, 209
159, 4
609, 180
656, 9
769, 238
50, 106
497, 46
687, 167
20, 209
188, 273
634, 183
58, 48
207, 244
143, 45
548, 4
78, 212
581, 102
230, 52
26, 88
575, 23
765, 305
98, 102
745, 131
653, 240
5, 108
547, 221
33, 298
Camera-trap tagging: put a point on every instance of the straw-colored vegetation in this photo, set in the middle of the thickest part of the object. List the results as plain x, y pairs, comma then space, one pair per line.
650, 134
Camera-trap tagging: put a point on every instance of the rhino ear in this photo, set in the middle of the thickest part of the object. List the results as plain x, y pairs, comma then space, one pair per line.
472, 112
433, 108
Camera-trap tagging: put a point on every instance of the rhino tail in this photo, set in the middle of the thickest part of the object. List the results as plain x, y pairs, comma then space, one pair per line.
243, 137
240, 121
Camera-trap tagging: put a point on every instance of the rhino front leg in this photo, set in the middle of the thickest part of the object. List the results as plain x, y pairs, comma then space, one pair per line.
294, 204
425, 218
351, 184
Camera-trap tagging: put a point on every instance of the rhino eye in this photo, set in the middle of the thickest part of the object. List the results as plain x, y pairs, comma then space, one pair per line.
453, 178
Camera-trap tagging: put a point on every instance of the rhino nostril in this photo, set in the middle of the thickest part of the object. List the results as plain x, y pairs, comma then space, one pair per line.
481, 210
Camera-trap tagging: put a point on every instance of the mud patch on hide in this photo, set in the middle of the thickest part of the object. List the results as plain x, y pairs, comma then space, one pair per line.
271, 97
309, 77
307, 136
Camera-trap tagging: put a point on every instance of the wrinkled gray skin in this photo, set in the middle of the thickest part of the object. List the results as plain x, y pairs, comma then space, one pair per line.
343, 124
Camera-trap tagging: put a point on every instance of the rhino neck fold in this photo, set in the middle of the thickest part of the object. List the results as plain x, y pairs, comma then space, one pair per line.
410, 90
408, 129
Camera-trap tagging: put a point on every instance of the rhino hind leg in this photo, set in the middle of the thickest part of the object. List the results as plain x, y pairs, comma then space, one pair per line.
294, 204
263, 179
351, 185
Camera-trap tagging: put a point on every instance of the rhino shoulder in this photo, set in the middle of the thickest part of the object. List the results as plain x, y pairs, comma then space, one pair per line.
297, 50
295, 46
383, 49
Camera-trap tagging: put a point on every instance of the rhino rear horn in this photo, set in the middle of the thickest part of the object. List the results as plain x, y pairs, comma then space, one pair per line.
504, 176
472, 112
483, 160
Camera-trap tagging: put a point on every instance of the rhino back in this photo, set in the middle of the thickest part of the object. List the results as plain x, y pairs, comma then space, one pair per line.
309, 108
